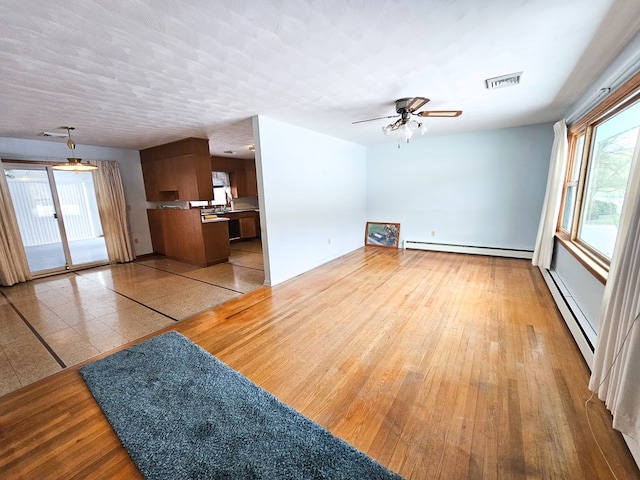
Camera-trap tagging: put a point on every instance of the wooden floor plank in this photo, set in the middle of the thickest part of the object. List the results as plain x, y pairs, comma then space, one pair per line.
438, 365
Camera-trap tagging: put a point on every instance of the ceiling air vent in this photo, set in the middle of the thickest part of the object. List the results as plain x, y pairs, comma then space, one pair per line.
504, 81
52, 134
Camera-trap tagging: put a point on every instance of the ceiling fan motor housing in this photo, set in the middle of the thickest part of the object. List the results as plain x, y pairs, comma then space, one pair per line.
402, 104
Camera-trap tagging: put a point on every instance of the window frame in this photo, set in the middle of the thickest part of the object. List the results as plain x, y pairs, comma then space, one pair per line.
623, 97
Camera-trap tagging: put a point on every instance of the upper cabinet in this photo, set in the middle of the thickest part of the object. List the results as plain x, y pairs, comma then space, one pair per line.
177, 171
242, 175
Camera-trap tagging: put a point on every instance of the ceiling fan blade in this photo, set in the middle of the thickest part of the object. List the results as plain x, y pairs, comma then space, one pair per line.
416, 103
439, 113
372, 119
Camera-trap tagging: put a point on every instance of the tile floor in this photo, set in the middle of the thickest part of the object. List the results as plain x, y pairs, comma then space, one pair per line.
54, 322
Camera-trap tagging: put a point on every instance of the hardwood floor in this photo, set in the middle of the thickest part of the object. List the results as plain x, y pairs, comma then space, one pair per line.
439, 366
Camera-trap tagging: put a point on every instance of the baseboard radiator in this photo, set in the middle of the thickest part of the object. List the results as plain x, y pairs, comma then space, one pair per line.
582, 332
441, 247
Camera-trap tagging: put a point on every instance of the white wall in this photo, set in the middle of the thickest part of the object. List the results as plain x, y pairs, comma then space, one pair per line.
130, 169
480, 189
312, 191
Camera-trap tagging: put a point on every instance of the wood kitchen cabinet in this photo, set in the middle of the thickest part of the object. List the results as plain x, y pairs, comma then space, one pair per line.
248, 227
242, 175
150, 183
165, 174
190, 186
252, 180
181, 235
156, 227
243, 224
177, 171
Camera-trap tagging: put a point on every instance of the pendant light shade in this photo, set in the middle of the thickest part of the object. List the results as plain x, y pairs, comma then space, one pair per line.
74, 164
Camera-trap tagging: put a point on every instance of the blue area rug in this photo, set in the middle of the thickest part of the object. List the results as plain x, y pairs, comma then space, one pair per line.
181, 413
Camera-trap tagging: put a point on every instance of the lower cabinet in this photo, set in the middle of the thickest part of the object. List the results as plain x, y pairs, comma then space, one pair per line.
216, 242
248, 228
243, 225
181, 235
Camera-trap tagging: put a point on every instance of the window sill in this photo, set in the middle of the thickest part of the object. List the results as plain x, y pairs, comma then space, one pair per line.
594, 267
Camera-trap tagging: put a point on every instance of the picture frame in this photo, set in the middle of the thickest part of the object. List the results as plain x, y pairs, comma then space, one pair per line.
382, 234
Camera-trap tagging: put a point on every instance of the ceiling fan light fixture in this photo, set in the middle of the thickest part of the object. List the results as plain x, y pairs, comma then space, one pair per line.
405, 126
73, 164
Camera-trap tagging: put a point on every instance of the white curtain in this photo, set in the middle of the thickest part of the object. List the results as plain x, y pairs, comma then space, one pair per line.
543, 250
616, 370
113, 212
13, 259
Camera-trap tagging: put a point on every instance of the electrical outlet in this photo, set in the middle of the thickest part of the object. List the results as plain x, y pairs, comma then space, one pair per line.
433, 233
135, 240
328, 241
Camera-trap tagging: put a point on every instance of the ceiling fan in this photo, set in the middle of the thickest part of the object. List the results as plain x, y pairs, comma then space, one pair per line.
405, 108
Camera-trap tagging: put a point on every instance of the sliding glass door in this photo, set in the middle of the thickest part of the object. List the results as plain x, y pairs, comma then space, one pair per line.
80, 217
37, 218
57, 216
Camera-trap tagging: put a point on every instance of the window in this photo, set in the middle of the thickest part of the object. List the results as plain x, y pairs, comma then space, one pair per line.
571, 186
612, 151
221, 188
601, 149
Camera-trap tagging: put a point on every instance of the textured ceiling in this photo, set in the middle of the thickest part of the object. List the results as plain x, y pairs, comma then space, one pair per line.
138, 73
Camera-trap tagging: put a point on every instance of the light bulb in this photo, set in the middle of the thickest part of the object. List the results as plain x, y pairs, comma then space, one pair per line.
423, 128
405, 132
387, 129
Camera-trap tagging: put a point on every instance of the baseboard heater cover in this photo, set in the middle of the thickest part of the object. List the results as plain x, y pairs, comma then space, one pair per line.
442, 247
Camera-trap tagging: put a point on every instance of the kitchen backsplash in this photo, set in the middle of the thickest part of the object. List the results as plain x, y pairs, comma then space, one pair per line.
244, 203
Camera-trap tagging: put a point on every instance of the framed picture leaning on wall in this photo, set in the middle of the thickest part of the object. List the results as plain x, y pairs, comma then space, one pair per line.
382, 234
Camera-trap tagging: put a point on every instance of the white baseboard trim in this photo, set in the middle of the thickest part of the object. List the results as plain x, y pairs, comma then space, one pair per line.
441, 247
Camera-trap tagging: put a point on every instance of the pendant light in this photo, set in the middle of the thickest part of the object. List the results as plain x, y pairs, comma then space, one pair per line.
73, 164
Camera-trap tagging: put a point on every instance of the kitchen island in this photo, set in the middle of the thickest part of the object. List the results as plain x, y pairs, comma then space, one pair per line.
181, 234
